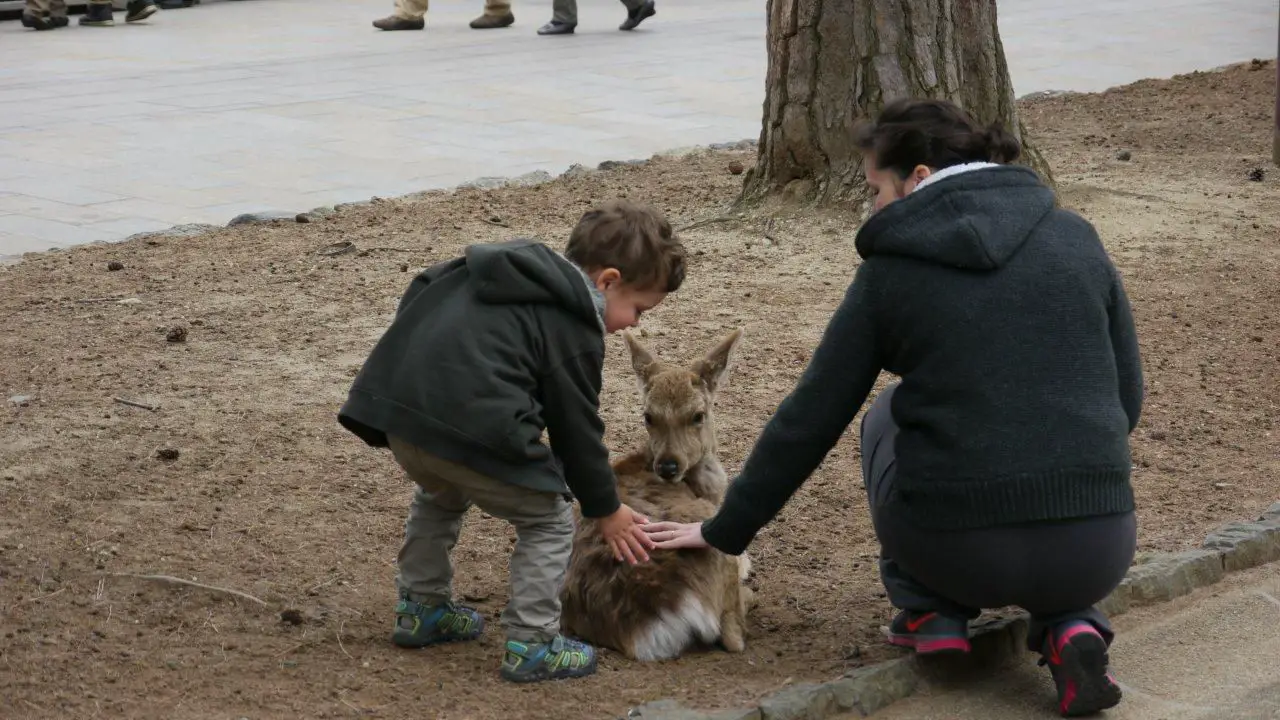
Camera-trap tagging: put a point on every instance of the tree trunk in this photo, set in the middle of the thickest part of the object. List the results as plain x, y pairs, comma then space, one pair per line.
1275, 138
835, 63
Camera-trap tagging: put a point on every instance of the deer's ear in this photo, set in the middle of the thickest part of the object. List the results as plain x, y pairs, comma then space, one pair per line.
714, 368
642, 361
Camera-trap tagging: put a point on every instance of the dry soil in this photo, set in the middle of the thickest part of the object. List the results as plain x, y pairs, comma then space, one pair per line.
241, 477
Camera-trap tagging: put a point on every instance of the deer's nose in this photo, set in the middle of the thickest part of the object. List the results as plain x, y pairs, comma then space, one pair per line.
668, 469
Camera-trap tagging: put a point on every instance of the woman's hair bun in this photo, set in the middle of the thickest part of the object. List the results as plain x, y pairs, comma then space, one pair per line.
1002, 147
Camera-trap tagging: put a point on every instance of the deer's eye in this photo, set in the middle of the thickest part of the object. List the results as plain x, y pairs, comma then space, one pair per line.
698, 418
648, 419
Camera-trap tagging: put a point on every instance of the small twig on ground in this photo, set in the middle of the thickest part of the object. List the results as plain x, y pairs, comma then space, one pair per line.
355, 709
134, 403
495, 222
339, 248
192, 583
388, 249
768, 232
38, 597
299, 646
342, 647
330, 581
89, 301
709, 221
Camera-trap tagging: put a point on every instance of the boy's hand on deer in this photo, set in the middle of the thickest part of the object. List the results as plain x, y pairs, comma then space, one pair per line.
674, 536
623, 532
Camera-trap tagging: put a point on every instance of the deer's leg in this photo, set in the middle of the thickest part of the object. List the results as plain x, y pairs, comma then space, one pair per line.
733, 625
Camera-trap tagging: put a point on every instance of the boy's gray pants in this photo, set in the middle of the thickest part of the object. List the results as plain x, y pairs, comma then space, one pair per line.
566, 11
544, 539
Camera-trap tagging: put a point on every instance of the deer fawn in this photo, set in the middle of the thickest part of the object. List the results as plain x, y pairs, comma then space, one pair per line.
657, 610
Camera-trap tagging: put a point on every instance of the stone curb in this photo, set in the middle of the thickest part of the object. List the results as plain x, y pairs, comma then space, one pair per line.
1154, 578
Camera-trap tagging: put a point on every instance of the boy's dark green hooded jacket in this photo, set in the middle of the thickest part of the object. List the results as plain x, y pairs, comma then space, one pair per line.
485, 352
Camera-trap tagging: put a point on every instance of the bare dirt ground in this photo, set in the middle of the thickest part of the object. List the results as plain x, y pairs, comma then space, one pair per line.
242, 478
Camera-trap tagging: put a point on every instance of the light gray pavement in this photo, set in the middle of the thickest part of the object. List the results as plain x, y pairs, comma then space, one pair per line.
1214, 655
207, 112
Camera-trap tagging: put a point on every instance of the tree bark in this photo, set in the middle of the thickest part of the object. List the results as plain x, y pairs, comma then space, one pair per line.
1275, 138
835, 63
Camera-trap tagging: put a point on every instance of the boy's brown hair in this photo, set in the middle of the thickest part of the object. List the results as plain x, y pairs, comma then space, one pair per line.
633, 238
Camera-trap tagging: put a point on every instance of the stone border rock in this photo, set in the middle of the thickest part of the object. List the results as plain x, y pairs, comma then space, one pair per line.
1154, 578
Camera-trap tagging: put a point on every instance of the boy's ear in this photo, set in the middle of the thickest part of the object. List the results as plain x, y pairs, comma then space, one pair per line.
642, 361
606, 278
714, 368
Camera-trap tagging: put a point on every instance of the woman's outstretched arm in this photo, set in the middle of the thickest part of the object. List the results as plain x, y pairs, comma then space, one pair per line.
805, 427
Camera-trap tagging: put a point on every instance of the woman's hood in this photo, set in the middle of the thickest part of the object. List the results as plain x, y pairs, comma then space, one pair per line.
973, 220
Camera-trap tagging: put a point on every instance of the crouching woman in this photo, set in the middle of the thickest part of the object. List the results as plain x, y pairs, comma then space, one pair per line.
997, 468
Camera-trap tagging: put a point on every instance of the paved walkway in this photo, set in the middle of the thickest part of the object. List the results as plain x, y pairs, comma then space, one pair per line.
230, 107
1214, 655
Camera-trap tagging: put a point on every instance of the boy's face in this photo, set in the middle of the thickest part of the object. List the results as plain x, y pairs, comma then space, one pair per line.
623, 303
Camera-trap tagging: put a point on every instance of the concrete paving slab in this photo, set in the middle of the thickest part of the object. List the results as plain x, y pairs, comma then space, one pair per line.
224, 98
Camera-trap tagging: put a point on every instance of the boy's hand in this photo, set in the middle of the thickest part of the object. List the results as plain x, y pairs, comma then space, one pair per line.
622, 531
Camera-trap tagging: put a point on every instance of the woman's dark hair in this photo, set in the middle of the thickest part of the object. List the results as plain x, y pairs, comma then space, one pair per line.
933, 133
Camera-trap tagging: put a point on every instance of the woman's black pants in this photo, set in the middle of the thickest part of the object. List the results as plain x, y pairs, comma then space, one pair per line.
1057, 571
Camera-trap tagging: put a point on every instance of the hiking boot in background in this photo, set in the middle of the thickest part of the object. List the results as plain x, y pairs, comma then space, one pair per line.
394, 22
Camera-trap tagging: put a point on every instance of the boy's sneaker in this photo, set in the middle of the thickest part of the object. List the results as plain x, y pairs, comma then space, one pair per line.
559, 659
419, 626
96, 15
139, 10
1077, 658
930, 633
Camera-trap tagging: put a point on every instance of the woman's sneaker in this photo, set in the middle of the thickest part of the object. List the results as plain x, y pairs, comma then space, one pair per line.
1076, 655
929, 633
559, 659
419, 625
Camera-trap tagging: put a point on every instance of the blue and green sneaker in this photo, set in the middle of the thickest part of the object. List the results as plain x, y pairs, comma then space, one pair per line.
559, 659
418, 625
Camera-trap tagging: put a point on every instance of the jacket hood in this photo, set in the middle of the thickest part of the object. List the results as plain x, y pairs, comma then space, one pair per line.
973, 220
528, 272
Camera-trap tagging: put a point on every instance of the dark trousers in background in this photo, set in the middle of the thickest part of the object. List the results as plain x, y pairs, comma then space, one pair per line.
566, 11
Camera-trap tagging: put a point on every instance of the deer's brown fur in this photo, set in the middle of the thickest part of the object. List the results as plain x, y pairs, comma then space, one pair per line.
680, 598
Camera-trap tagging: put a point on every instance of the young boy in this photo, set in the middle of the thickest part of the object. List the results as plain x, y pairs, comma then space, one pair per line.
485, 353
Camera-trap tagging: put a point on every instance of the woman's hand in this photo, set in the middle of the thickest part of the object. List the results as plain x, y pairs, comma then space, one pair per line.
674, 536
